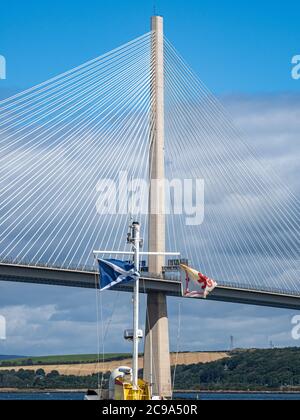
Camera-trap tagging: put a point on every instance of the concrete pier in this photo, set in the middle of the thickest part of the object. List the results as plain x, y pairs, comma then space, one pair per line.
157, 362
157, 369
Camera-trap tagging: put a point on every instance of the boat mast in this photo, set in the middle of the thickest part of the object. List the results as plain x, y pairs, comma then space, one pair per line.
136, 240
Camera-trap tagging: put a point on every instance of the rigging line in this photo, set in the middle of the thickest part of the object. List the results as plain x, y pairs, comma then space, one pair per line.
154, 375
178, 344
98, 69
97, 326
106, 330
103, 339
70, 138
68, 72
227, 117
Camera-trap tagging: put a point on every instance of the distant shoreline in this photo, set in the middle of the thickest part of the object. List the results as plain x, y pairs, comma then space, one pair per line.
41, 391
75, 391
237, 392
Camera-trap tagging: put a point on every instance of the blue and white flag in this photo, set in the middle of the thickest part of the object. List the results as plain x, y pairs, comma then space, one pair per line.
113, 272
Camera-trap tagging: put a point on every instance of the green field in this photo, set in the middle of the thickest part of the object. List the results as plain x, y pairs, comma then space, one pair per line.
63, 360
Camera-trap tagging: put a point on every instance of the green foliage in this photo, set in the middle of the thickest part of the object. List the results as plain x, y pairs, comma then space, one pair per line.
26, 379
253, 370
246, 370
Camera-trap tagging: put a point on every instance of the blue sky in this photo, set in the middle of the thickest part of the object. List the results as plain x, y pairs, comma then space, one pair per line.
234, 46
242, 51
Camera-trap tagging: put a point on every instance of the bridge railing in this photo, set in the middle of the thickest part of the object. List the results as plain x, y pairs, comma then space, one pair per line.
167, 276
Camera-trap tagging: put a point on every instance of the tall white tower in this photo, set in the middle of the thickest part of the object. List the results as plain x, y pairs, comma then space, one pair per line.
157, 150
157, 369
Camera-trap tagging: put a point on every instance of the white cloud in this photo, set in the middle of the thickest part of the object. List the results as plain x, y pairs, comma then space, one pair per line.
45, 320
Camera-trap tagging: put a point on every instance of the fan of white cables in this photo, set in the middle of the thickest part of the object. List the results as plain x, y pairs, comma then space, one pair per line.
250, 234
57, 141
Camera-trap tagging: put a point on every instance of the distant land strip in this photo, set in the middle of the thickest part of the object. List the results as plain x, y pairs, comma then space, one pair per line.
88, 368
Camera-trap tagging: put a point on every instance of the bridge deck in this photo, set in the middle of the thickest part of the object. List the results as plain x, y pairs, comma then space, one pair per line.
89, 279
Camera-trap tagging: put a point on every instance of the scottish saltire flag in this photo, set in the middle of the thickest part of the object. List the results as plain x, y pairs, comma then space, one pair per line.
112, 272
197, 285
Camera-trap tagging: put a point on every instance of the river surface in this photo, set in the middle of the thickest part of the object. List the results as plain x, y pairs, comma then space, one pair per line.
203, 396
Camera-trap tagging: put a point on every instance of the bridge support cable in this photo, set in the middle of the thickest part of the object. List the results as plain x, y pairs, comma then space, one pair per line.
62, 138
251, 227
58, 142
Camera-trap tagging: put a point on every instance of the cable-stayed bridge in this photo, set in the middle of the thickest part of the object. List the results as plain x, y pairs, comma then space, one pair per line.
150, 284
71, 146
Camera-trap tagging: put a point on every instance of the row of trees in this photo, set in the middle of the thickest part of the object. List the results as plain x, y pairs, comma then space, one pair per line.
244, 370
38, 379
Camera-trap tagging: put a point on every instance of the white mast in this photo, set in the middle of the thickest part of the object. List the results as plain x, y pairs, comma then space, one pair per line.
136, 240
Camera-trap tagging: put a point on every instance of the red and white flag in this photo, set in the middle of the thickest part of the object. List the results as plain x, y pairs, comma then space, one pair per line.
196, 284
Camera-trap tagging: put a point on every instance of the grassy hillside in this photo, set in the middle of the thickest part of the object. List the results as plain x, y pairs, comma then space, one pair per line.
58, 360
88, 368
184, 358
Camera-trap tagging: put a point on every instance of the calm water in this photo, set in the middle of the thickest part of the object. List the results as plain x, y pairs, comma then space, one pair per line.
203, 397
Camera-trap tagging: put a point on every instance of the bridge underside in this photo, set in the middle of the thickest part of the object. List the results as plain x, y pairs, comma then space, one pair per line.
89, 280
